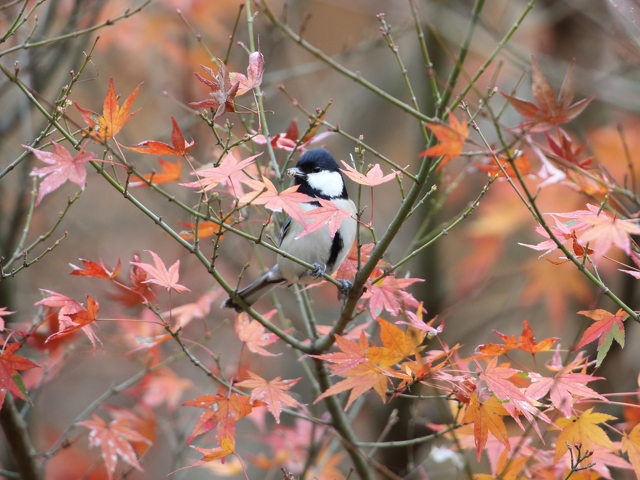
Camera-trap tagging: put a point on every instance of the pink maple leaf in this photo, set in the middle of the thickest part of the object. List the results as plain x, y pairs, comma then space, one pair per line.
271, 392
254, 335
62, 168
265, 193
4, 311
390, 294
253, 78
327, 214
372, 178
229, 173
160, 275
601, 230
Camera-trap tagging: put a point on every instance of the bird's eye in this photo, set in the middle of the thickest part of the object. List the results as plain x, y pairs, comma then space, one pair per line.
316, 169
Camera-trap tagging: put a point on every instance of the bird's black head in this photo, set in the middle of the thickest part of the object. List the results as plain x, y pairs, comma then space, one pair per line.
318, 175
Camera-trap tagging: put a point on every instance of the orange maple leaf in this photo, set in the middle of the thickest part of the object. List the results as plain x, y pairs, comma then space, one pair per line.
221, 413
397, 344
509, 165
170, 172
631, 446
113, 116
451, 140
486, 418
271, 392
526, 343
549, 110
96, 270
583, 430
205, 229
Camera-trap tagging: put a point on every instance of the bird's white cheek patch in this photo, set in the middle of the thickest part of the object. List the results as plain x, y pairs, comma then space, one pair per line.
327, 183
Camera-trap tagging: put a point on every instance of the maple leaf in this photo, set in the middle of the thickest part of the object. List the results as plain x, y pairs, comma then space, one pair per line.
253, 78
4, 311
62, 168
328, 214
583, 430
396, 344
223, 91
160, 275
254, 335
160, 387
96, 270
349, 267
290, 139
351, 354
170, 172
515, 401
601, 230
417, 322
113, 116
389, 294
566, 148
10, 365
265, 193
205, 229
138, 290
271, 392
564, 388
631, 446
221, 413
451, 140
373, 177
509, 163
179, 146
606, 329
80, 320
549, 110
229, 172
114, 439
526, 343
486, 418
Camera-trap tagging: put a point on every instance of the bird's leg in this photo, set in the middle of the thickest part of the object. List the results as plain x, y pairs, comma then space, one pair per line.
317, 271
344, 288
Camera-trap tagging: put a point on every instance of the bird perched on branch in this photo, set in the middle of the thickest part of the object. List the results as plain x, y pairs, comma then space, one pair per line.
318, 176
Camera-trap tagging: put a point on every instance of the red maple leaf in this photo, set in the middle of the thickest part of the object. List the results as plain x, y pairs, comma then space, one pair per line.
549, 110
113, 118
222, 93
271, 392
179, 146
566, 148
159, 274
72, 316
606, 328
291, 138
62, 168
96, 270
10, 365
115, 441
451, 140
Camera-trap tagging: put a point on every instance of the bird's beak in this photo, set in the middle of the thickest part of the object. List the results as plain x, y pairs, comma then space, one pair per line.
295, 172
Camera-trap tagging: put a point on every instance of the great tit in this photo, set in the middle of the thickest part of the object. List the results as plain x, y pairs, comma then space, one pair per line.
317, 175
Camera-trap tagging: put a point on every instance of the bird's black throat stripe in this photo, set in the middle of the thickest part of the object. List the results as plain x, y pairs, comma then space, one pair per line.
336, 248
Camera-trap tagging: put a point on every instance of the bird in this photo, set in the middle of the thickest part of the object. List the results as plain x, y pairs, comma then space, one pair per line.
317, 175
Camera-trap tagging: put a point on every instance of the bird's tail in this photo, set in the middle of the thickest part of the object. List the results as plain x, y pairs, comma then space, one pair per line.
252, 292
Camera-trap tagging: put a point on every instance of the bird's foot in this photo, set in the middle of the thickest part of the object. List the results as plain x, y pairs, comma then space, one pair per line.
344, 288
317, 271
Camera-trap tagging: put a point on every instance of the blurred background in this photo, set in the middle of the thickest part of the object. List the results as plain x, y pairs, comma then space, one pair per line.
477, 278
